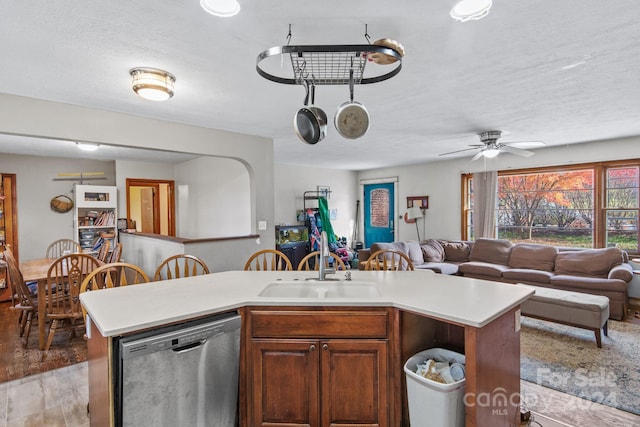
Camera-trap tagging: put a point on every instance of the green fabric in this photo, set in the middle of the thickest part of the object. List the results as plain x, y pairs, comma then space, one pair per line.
323, 210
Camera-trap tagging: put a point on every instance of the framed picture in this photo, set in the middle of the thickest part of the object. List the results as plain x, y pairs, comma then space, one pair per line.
324, 191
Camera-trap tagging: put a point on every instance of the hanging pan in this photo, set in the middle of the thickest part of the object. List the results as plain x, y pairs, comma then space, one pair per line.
310, 122
352, 118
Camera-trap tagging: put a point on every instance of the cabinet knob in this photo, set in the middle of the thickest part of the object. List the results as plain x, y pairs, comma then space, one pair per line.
325, 346
312, 347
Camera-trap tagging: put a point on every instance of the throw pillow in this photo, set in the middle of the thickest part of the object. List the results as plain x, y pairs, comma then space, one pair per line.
455, 251
414, 252
432, 251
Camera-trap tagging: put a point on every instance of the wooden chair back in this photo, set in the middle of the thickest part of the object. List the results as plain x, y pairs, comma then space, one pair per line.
388, 260
64, 279
181, 265
63, 247
312, 262
116, 254
24, 300
103, 253
268, 260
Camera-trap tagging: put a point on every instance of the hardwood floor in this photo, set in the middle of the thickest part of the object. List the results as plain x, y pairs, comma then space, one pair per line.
18, 362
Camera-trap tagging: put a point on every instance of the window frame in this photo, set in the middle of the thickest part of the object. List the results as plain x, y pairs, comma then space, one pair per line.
599, 194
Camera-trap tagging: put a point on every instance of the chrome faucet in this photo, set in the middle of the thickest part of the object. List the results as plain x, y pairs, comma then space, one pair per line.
324, 255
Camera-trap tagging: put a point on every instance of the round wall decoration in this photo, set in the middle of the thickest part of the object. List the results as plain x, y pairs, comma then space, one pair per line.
61, 203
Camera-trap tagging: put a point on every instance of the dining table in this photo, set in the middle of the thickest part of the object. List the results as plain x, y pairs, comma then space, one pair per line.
36, 270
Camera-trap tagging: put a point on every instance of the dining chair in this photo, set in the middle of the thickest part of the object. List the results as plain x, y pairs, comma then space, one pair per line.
25, 301
311, 262
268, 259
113, 275
63, 247
181, 265
385, 259
64, 279
116, 253
103, 253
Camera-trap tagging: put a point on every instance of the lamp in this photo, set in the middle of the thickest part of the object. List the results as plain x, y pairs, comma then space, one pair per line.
467, 10
152, 84
223, 8
413, 213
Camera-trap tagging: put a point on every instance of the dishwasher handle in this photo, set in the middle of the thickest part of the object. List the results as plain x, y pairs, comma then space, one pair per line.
187, 347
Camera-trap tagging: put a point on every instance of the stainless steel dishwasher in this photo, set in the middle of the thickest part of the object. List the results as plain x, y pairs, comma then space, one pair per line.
183, 375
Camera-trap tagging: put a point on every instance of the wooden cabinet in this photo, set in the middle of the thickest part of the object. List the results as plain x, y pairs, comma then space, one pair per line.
310, 367
95, 216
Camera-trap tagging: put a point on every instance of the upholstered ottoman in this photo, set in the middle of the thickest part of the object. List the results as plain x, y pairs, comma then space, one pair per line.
569, 308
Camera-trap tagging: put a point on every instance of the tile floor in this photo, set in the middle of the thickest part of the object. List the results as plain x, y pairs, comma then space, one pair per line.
56, 398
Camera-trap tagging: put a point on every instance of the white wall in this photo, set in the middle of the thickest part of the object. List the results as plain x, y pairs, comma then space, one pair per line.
292, 181
32, 117
36, 183
213, 198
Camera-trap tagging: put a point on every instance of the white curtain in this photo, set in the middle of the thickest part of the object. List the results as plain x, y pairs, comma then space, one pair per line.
485, 188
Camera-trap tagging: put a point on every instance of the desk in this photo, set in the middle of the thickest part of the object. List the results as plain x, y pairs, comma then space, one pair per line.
35, 270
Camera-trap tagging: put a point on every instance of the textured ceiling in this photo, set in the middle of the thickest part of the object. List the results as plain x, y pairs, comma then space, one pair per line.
560, 72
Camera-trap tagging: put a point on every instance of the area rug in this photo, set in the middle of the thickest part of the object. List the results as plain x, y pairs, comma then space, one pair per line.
567, 359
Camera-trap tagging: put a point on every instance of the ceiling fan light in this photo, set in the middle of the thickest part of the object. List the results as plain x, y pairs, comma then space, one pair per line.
223, 8
490, 153
86, 146
467, 10
152, 84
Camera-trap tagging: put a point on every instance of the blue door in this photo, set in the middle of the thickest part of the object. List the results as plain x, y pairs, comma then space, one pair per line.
378, 213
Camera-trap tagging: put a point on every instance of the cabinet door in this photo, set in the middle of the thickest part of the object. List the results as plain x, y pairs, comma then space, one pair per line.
285, 383
353, 376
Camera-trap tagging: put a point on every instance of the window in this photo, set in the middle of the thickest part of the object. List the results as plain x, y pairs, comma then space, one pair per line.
586, 206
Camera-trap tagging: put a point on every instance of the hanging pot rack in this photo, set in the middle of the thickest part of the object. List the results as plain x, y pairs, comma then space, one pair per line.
329, 64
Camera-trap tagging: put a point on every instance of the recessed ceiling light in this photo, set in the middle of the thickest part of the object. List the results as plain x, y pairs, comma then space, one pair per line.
87, 146
467, 10
152, 84
223, 8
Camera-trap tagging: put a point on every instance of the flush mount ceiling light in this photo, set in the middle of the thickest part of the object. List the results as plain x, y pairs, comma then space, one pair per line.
467, 10
152, 84
223, 8
86, 146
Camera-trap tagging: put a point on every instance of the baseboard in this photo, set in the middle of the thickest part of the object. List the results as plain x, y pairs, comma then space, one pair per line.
634, 301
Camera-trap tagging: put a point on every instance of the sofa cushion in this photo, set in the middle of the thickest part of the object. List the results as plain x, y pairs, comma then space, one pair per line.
493, 251
588, 263
477, 268
439, 267
527, 275
531, 256
414, 251
455, 251
432, 251
589, 284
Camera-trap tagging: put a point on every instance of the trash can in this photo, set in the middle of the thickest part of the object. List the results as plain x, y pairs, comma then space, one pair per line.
434, 404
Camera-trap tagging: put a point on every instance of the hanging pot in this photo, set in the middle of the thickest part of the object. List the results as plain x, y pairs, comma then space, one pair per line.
310, 122
352, 118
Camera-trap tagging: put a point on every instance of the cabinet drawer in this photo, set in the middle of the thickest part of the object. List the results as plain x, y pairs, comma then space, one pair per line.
319, 324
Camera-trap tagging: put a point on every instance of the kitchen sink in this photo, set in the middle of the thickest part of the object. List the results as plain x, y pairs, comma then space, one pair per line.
320, 289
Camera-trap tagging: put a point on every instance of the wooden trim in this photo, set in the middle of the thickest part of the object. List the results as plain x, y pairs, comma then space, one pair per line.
101, 404
171, 203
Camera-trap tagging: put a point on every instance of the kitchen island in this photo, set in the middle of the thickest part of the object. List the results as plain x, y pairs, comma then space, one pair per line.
418, 309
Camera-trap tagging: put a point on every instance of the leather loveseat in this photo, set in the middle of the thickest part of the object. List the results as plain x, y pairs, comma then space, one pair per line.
603, 271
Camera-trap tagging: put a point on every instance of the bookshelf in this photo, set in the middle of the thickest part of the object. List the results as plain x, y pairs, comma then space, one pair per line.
95, 216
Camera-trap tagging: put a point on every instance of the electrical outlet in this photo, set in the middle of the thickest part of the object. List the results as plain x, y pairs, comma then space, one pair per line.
262, 225
518, 314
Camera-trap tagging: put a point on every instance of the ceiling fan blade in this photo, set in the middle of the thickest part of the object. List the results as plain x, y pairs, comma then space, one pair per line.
516, 151
525, 144
477, 156
460, 151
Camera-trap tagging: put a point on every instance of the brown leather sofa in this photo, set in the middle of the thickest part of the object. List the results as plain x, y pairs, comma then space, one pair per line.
603, 271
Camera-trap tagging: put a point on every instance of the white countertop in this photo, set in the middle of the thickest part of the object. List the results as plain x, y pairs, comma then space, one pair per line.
456, 299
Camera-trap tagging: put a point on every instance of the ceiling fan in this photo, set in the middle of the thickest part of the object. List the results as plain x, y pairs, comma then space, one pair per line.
490, 146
